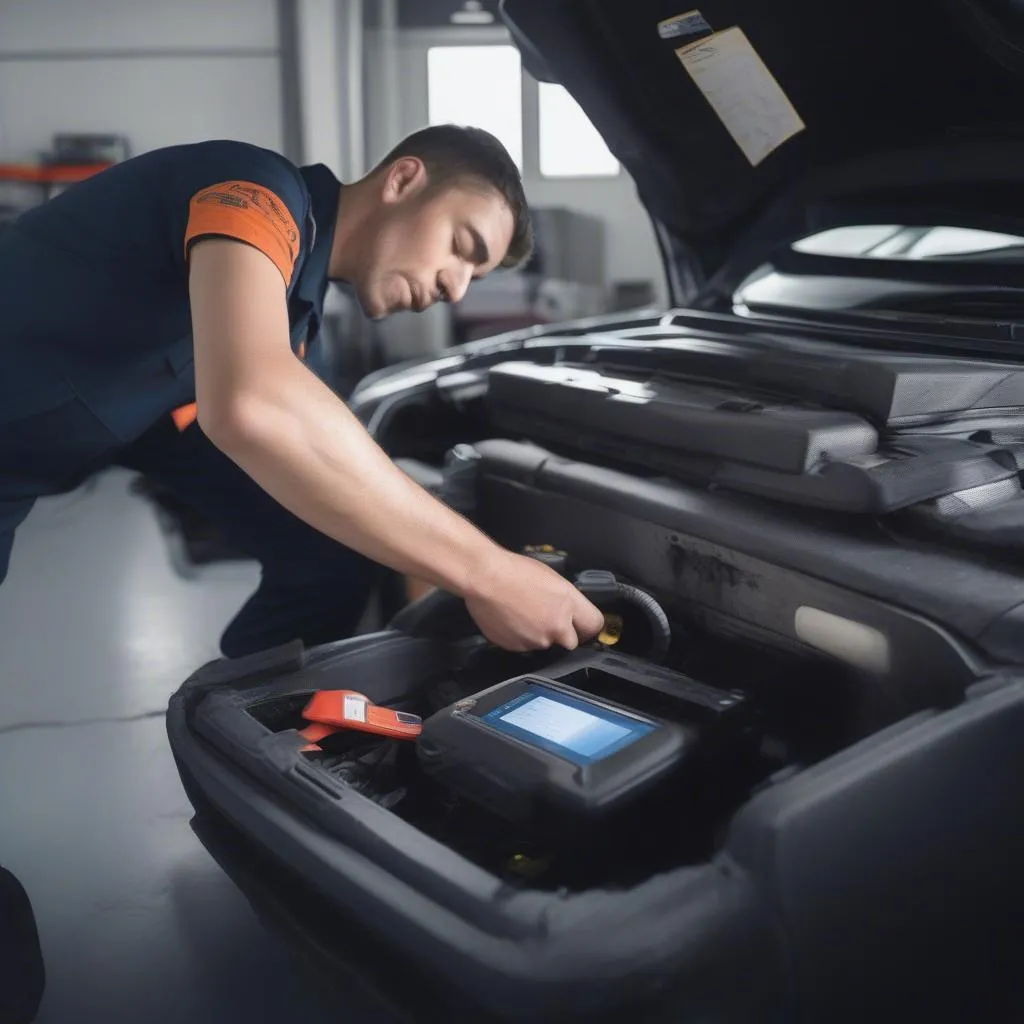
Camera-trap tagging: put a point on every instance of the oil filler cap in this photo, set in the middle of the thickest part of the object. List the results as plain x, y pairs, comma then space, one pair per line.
612, 632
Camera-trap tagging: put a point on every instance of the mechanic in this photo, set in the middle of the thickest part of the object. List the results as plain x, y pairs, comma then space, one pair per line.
157, 317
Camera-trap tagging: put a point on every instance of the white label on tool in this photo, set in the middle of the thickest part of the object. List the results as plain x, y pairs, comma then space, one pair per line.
742, 92
355, 709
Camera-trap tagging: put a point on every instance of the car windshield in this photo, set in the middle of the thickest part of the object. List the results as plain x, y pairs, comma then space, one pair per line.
899, 242
956, 278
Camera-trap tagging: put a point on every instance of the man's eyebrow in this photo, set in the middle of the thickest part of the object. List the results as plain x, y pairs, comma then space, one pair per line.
481, 255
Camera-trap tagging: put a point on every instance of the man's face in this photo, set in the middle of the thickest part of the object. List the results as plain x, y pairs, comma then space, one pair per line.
422, 246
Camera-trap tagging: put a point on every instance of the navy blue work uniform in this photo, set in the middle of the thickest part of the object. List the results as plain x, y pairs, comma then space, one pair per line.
96, 362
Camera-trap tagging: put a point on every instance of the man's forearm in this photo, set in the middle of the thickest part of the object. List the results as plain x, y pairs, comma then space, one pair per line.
310, 453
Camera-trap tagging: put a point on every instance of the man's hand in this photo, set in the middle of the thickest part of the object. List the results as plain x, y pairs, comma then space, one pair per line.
524, 605
301, 444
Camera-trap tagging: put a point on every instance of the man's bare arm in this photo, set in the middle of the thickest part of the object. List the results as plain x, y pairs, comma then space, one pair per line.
300, 443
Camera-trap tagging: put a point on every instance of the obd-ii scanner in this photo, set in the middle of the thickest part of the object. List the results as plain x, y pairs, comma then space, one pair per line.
589, 737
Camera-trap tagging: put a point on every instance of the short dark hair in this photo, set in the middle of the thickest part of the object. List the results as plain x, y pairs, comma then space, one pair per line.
453, 154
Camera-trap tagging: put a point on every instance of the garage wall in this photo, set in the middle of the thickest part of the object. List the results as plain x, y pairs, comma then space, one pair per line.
159, 73
630, 249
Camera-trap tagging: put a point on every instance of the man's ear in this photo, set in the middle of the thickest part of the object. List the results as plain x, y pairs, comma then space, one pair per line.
406, 177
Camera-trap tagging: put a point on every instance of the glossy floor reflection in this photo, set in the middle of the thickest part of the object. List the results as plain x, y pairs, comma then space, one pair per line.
97, 629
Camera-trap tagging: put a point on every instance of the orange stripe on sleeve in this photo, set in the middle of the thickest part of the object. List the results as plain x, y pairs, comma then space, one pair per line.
185, 415
250, 213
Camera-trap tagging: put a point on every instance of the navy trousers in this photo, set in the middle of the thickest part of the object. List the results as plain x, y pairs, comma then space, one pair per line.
311, 588
22, 970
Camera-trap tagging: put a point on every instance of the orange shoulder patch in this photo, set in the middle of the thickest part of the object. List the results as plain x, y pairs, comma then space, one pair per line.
250, 213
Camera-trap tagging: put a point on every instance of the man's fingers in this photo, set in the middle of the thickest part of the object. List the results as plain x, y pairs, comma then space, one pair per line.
567, 638
587, 619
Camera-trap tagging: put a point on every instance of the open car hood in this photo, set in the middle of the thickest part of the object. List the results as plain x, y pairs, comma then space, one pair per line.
793, 116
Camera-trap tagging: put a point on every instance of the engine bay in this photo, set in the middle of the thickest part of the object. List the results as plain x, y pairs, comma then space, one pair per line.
746, 720
872, 672
797, 804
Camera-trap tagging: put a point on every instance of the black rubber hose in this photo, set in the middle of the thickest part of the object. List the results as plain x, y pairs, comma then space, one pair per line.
660, 628
602, 587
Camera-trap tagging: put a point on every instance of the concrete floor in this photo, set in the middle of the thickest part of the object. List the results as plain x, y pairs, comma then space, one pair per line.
97, 629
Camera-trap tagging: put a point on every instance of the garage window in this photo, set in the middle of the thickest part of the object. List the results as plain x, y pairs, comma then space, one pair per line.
480, 86
570, 146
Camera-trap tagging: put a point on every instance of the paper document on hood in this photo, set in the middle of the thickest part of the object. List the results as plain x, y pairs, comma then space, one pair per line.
742, 91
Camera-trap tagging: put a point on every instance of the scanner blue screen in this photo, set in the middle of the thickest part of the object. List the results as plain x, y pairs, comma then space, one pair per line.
575, 729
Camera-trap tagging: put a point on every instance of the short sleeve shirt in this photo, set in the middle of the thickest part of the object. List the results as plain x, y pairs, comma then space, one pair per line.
94, 282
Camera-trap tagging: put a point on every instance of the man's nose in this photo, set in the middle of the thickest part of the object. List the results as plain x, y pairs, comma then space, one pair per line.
457, 282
